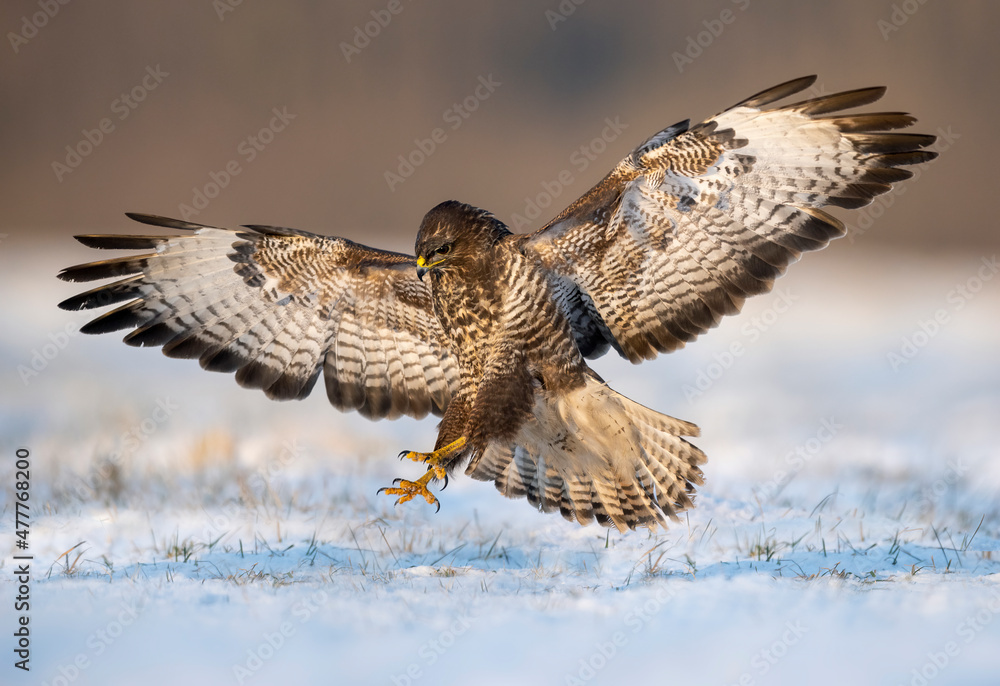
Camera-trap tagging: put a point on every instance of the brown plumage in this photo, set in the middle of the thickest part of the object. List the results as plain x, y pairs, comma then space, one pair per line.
492, 329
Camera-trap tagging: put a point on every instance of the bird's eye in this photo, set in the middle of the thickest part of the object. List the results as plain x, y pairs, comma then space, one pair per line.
443, 250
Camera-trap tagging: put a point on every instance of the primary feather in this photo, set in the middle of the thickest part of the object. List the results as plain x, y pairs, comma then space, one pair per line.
691, 223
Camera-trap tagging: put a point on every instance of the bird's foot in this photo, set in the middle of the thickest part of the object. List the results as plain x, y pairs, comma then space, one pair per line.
408, 490
433, 460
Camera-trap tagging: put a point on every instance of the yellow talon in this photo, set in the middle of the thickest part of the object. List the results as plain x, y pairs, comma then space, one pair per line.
408, 490
439, 472
433, 460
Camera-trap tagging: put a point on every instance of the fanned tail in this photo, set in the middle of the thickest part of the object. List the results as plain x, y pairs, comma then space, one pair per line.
592, 453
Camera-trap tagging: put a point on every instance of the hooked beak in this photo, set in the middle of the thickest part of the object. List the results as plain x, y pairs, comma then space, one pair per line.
421, 267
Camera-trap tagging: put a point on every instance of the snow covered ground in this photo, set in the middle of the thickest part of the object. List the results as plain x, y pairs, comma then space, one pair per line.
185, 530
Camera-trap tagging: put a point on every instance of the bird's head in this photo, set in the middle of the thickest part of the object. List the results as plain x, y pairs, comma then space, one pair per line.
454, 235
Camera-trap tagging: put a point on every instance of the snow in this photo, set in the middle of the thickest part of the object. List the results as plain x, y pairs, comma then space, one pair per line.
186, 530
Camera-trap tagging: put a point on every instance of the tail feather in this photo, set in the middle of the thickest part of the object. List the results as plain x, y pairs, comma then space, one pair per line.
592, 453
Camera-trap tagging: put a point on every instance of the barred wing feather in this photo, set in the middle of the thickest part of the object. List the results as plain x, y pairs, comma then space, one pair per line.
697, 219
279, 307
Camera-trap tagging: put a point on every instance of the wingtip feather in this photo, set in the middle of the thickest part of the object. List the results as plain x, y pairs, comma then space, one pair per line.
165, 222
775, 93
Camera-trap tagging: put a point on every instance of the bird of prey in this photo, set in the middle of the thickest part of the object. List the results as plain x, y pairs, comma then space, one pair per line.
492, 330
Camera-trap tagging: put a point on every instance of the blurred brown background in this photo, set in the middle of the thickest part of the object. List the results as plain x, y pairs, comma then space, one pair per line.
184, 91
210, 73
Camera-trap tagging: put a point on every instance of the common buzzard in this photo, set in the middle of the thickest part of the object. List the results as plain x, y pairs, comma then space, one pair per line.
491, 330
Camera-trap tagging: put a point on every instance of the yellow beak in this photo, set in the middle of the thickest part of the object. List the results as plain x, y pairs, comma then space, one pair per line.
423, 266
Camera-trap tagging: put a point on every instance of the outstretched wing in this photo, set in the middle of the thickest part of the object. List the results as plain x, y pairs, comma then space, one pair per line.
697, 219
279, 307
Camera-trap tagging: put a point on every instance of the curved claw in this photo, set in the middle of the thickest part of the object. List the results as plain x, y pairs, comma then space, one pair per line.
408, 490
397, 480
402, 454
445, 484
